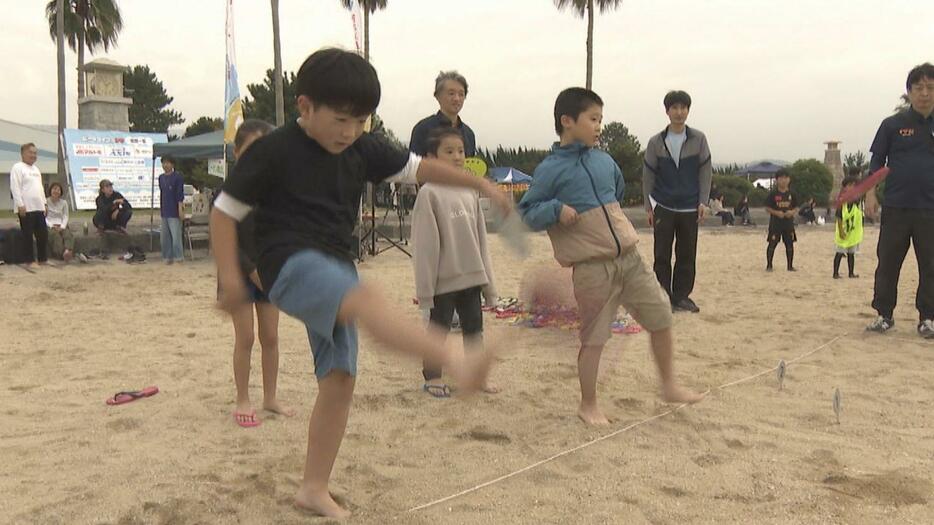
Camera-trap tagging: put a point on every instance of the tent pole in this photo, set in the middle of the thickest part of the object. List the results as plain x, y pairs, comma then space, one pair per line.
152, 199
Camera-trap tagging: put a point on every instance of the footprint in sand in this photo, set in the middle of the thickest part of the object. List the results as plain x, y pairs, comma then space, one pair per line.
888, 488
124, 424
481, 434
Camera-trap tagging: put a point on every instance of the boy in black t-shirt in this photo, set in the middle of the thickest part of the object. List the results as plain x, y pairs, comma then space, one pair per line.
782, 205
305, 180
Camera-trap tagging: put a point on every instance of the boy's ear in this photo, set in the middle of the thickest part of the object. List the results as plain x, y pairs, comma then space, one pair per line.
305, 105
567, 121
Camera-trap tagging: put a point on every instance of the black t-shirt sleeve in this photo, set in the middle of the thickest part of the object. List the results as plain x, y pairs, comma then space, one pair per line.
251, 175
381, 159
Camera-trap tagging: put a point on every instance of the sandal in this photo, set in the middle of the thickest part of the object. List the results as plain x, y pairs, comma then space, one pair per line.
438, 391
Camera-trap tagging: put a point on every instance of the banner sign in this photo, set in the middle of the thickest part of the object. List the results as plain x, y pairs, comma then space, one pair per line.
123, 157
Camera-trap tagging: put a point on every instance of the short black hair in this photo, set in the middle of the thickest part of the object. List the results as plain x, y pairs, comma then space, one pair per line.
925, 70
848, 180
249, 128
572, 102
676, 97
438, 135
782, 173
340, 80
170, 159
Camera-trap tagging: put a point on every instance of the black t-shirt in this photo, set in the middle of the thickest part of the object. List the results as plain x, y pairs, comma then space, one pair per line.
905, 142
305, 197
781, 201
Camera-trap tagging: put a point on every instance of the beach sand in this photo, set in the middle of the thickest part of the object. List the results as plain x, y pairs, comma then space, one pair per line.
749, 453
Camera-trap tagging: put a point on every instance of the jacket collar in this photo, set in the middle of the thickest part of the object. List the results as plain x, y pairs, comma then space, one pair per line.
575, 149
688, 132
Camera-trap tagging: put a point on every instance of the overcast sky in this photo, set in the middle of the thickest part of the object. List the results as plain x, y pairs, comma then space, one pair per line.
769, 79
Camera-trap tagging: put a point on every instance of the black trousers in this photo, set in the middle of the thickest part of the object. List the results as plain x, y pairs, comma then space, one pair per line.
900, 228
680, 229
34, 225
468, 307
103, 219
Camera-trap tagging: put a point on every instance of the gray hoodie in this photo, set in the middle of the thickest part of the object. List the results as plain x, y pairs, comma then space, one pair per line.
449, 233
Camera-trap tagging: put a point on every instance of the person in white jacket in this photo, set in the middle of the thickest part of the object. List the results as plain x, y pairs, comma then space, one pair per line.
452, 264
29, 203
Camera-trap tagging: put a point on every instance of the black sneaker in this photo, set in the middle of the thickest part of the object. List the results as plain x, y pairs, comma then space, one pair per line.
685, 305
768, 268
837, 276
882, 325
792, 269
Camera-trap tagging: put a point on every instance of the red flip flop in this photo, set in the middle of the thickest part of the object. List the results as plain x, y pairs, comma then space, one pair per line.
247, 419
126, 397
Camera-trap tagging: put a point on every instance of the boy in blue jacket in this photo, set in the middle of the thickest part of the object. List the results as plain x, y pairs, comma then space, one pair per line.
575, 196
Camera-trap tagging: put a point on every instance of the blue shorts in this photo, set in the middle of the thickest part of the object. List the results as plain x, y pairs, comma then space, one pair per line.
310, 287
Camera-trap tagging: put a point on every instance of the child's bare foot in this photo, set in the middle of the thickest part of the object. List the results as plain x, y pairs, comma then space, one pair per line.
471, 371
277, 408
320, 503
677, 394
490, 388
592, 415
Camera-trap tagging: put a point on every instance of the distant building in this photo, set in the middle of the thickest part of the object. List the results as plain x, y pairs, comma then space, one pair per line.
12, 136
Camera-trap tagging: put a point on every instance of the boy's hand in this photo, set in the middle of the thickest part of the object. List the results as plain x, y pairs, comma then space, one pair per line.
501, 200
701, 211
568, 216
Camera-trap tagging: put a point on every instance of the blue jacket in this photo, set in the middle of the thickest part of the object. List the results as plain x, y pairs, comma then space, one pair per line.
685, 185
590, 182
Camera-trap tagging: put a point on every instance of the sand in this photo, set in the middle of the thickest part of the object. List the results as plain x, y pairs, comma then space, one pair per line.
748, 453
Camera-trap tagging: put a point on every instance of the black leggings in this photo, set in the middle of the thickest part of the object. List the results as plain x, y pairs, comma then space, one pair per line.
850, 262
786, 236
467, 304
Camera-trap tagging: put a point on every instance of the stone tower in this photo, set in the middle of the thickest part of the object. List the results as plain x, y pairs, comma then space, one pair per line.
104, 106
833, 162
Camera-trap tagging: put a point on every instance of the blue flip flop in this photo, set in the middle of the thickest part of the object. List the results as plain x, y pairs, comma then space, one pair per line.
438, 391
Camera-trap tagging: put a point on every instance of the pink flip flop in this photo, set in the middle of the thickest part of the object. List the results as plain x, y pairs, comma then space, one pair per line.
126, 397
247, 423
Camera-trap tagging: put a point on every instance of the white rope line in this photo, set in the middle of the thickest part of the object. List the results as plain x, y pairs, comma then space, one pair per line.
614, 433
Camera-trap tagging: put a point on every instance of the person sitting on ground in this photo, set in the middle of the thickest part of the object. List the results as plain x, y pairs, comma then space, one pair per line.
113, 210
807, 211
741, 210
716, 205
61, 240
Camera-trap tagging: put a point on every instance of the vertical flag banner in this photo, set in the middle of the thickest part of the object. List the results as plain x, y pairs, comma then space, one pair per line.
356, 16
233, 108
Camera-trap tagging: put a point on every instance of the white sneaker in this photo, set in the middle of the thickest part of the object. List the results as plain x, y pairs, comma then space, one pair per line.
926, 329
881, 325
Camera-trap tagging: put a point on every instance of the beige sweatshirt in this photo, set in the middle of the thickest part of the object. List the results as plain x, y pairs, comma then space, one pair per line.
449, 233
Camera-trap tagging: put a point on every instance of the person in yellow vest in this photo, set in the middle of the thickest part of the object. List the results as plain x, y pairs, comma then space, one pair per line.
848, 233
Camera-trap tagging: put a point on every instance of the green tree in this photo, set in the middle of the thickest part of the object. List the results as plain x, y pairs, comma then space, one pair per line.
733, 188
196, 171
855, 163
368, 7
585, 8
625, 149
149, 112
262, 105
811, 178
89, 25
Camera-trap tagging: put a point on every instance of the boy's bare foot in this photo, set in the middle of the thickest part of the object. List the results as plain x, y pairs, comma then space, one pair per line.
471, 371
592, 415
678, 394
34, 265
490, 388
322, 504
277, 408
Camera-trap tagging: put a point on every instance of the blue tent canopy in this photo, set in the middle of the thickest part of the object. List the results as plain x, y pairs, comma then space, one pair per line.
509, 176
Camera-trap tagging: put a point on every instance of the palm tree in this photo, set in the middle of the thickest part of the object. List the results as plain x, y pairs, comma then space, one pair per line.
60, 59
369, 6
277, 57
89, 24
585, 8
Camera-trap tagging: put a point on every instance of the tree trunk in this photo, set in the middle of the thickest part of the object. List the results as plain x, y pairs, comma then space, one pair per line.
81, 64
366, 31
277, 56
589, 44
60, 58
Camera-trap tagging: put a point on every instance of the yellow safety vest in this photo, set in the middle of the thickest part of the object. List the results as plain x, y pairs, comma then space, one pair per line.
852, 227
